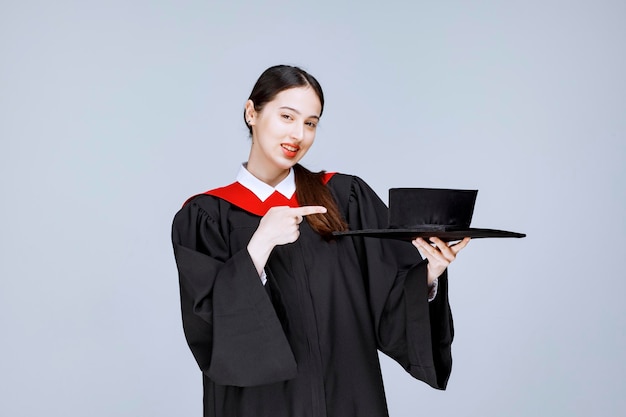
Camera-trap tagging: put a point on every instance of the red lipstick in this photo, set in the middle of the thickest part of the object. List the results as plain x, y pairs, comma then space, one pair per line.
290, 150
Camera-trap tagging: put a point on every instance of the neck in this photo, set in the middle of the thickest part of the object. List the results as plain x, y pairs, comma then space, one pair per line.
271, 177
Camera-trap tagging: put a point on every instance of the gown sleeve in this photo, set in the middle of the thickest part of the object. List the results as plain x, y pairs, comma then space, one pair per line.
228, 318
413, 331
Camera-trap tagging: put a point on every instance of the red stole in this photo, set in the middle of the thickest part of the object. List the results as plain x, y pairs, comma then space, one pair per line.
238, 195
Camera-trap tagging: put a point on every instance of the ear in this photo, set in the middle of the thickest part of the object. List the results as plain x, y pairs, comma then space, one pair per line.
250, 113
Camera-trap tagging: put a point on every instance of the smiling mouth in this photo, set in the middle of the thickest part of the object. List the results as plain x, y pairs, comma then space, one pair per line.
290, 148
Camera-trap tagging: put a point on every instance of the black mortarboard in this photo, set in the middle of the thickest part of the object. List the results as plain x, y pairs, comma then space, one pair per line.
430, 212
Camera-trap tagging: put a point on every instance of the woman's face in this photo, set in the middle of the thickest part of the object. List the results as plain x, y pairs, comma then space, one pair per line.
282, 132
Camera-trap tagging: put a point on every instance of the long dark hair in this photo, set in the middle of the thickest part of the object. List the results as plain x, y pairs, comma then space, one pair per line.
310, 189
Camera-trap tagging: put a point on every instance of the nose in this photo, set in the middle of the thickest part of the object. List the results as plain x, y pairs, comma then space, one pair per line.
298, 132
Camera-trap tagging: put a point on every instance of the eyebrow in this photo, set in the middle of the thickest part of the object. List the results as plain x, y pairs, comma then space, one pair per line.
297, 112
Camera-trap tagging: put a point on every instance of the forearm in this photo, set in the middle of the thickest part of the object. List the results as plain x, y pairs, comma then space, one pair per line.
259, 250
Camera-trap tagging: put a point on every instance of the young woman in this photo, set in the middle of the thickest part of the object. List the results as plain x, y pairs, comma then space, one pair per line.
282, 319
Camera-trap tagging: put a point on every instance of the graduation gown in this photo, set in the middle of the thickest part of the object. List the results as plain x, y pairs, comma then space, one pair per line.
305, 344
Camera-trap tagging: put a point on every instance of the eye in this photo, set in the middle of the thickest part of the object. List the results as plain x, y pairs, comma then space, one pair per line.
312, 125
286, 116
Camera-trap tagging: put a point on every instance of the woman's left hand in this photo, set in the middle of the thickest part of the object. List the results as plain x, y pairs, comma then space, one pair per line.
440, 255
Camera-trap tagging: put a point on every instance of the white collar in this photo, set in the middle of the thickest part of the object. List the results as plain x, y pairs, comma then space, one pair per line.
286, 187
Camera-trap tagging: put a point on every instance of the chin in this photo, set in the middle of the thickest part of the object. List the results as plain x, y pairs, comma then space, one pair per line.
290, 165
287, 164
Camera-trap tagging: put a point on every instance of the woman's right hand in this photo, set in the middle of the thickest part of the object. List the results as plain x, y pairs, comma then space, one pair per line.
279, 226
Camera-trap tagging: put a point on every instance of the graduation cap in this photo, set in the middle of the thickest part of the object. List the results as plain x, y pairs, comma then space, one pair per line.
430, 212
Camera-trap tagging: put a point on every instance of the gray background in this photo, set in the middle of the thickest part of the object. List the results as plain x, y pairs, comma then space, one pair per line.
113, 113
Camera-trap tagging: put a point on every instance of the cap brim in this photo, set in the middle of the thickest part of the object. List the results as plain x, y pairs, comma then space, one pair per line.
445, 235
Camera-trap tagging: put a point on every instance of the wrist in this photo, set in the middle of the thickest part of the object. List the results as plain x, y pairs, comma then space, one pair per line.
259, 246
259, 250
432, 275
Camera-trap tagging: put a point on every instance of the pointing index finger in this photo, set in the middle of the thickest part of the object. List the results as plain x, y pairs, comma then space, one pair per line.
306, 210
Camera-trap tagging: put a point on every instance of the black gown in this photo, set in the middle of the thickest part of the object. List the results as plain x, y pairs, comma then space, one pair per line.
305, 344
